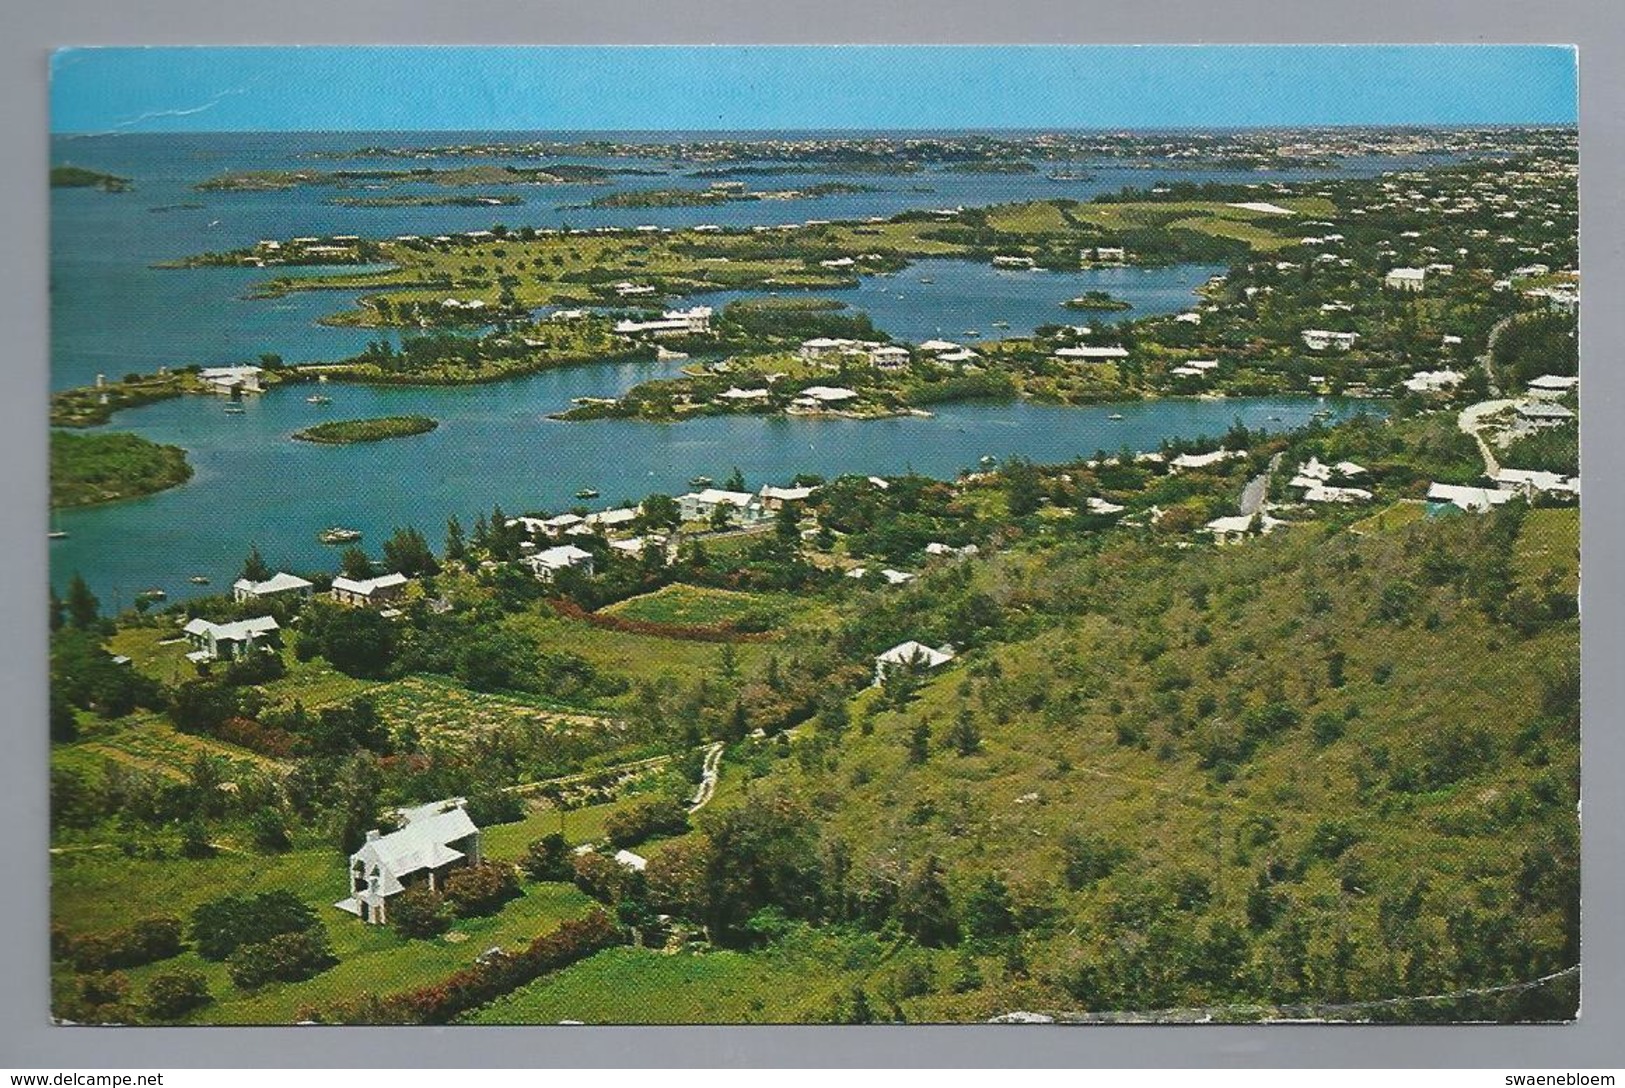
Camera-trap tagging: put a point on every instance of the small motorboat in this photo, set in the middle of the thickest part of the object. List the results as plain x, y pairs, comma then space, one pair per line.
700, 481
1115, 416
338, 535
199, 579
586, 493
58, 534
153, 594
318, 398
235, 410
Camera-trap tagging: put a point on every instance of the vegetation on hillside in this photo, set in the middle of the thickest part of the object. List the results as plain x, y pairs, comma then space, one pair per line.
96, 468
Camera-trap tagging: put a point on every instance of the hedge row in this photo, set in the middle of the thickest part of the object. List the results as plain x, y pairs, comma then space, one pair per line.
485, 981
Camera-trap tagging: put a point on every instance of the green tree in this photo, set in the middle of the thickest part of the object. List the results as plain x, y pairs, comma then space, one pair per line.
988, 911
919, 742
965, 737
735, 481
83, 607
660, 511
353, 563
1023, 487
255, 568
924, 909
456, 546
408, 552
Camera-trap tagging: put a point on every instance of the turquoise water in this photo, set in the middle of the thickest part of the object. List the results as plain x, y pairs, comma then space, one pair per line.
113, 313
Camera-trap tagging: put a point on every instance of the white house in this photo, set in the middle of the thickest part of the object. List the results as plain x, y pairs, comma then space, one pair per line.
690, 322
823, 396
1474, 500
1231, 529
1530, 481
1325, 340
937, 347
938, 548
737, 395
1204, 460
223, 379
889, 357
911, 655
1091, 355
547, 563
368, 592
1433, 381
276, 585
1107, 254
774, 498
1553, 385
743, 507
1539, 414
433, 841
1405, 279
227, 641
610, 520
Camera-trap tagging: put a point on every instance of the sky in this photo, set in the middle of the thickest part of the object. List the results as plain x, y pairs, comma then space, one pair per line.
738, 88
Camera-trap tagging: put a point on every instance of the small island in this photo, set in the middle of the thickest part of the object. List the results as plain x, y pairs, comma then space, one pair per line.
344, 432
1097, 302
94, 468
480, 174
719, 193
77, 177
426, 200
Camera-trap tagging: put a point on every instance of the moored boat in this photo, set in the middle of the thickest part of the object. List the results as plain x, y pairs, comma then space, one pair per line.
337, 534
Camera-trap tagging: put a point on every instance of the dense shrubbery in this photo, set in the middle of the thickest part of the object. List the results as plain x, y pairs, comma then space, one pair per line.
645, 820
222, 926
172, 995
419, 912
147, 941
548, 858
481, 889
287, 957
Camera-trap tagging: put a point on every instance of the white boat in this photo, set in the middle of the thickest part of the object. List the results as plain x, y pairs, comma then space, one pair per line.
338, 535
1115, 415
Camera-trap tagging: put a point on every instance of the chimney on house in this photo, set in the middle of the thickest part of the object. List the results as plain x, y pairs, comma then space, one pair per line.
372, 836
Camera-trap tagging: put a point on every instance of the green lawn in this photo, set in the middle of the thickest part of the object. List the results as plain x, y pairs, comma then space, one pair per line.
700, 607
1400, 514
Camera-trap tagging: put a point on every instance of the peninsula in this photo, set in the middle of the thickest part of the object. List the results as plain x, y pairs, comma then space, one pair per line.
95, 468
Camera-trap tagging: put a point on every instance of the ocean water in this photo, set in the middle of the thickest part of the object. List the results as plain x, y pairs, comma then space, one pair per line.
114, 313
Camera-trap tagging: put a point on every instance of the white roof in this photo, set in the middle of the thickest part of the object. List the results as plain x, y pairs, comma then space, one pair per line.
716, 496
1535, 479
279, 582
1323, 493
1473, 499
1407, 273
637, 863
367, 587
420, 844
736, 393
786, 494
618, 516
1202, 460
1544, 411
238, 630
1554, 381
215, 373
896, 577
911, 652
829, 392
564, 555
939, 345
1091, 353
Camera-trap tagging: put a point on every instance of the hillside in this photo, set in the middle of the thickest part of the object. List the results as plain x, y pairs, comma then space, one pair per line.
1317, 770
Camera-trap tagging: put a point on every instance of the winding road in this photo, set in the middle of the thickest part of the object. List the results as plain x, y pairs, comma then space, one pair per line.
708, 778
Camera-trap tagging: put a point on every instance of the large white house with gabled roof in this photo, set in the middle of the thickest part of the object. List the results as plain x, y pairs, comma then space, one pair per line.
278, 584
432, 841
226, 641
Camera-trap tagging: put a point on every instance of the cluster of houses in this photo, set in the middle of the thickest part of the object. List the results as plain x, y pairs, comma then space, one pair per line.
1316, 481
881, 356
694, 321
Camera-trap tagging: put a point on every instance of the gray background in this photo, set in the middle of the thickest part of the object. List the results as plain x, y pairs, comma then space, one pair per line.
30, 28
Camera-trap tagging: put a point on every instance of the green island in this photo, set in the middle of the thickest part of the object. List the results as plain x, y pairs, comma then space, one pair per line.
1097, 301
344, 432
699, 198
426, 200
95, 468
77, 177
271, 180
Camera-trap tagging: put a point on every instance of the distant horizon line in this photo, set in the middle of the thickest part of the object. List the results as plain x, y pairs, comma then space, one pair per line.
1389, 126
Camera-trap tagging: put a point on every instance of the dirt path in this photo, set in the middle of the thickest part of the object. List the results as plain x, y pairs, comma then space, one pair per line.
708, 778
1471, 421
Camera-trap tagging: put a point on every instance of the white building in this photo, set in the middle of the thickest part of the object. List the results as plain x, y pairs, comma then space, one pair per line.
774, 498
1474, 500
889, 357
228, 641
224, 379
1091, 355
1204, 460
824, 396
276, 585
433, 841
690, 322
1325, 340
1553, 385
547, 563
1405, 279
743, 507
911, 655
368, 592
1538, 414
1433, 381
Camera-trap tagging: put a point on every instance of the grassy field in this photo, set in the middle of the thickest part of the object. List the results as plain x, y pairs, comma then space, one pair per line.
443, 712
698, 606
1550, 541
1400, 514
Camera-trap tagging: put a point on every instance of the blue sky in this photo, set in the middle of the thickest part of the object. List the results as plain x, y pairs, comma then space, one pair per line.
778, 87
